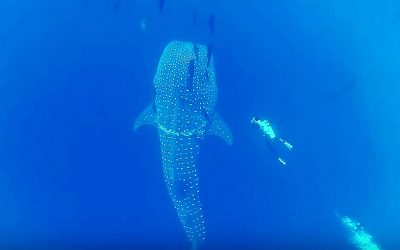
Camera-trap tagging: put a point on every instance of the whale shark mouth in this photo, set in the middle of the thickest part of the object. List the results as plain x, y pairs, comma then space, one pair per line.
186, 90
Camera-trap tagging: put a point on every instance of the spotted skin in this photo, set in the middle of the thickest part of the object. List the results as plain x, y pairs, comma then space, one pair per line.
186, 92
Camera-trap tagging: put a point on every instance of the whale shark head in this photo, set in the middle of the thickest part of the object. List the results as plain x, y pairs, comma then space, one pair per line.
185, 87
186, 94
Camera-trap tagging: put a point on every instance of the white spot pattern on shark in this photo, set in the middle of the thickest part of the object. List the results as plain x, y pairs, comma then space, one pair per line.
179, 116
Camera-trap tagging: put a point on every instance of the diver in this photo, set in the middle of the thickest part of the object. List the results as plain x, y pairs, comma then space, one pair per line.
274, 142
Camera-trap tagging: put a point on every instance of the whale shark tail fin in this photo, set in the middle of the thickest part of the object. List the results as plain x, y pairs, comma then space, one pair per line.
147, 117
194, 246
219, 127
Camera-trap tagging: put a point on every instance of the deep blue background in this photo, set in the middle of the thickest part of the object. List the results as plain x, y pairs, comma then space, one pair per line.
74, 75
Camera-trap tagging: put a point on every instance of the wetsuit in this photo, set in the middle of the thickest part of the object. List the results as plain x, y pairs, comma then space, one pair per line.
267, 130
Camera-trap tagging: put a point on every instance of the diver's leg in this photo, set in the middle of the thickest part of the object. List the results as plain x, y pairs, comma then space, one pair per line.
272, 148
287, 144
282, 161
275, 153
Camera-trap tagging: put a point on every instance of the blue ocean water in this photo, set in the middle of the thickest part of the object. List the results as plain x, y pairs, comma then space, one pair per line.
74, 76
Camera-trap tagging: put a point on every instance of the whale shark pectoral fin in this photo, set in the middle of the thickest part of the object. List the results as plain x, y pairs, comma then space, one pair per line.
147, 117
220, 128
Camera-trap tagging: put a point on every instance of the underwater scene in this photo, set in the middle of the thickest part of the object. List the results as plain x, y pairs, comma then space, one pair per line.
188, 124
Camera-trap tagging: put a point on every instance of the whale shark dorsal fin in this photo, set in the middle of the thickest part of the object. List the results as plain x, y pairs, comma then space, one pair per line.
147, 117
219, 127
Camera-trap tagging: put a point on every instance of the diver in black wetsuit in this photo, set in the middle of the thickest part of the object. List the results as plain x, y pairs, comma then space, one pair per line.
273, 141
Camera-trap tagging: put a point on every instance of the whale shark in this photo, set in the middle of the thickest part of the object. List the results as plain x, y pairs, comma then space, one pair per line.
183, 112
